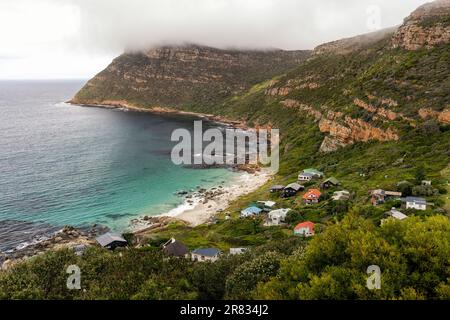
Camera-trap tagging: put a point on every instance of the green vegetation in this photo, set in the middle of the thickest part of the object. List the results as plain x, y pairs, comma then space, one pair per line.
431, 21
412, 255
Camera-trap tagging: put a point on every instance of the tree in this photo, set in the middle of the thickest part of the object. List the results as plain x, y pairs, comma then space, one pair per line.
240, 284
413, 256
405, 188
419, 174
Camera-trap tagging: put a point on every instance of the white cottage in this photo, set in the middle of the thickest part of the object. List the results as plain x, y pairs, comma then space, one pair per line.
416, 203
276, 217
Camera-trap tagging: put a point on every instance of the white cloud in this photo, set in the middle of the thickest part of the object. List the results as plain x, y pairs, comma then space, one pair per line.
76, 38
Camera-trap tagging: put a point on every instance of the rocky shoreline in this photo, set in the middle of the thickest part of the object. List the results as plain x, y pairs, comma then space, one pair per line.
126, 106
68, 237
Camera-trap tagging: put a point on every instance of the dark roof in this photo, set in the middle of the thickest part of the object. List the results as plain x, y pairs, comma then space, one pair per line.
332, 180
108, 238
294, 186
175, 248
416, 200
208, 252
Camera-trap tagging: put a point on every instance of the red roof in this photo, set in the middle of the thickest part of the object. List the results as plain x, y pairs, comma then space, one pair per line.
312, 194
307, 224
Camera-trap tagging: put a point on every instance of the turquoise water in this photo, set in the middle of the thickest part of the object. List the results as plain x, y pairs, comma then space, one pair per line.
71, 165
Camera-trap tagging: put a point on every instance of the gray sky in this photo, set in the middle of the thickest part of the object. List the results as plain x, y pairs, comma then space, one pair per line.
78, 38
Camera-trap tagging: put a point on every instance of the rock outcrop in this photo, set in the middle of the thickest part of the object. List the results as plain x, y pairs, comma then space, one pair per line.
443, 117
308, 83
352, 130
342, 130
427, 27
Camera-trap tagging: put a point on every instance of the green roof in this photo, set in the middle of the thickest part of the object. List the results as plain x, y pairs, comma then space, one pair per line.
313, 171
332, 180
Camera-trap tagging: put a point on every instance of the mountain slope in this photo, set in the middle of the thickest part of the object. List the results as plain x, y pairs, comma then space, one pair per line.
182, 77
367, 88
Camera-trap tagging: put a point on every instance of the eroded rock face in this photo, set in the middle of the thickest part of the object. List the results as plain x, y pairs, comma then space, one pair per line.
308, 83
443, 116
427, 27
342, 130
351, 130
382, 112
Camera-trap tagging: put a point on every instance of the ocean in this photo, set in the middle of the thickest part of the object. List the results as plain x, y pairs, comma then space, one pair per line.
70, 165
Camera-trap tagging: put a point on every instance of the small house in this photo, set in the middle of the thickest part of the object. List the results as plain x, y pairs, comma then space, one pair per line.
291, 190
250, 212
329, 183
342, 195
276, 217
175, 248
236, 251
305, 229
206, 254
111, 241
276, 189
394, 213
305, 176
380, 196
426, 183
312, 196
318, 174
266, 205
416, 203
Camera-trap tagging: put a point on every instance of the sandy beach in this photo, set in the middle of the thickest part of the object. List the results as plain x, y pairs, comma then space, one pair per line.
201, 207
204, 210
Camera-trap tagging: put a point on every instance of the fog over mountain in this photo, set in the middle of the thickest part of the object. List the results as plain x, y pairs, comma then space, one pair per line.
39, 38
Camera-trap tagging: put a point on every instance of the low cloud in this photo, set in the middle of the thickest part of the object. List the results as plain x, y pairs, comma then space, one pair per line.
77, 38
287, 24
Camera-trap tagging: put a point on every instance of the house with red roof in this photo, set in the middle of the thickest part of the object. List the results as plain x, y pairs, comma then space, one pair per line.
305, 229
312, 196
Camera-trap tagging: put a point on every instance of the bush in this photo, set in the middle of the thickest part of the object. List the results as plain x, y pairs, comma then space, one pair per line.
293, 217
426, 191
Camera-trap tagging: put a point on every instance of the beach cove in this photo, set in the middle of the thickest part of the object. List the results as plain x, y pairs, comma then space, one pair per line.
84, 167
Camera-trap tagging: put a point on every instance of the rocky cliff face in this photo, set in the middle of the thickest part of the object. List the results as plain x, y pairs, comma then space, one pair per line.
427, 27
341, 130
181, 77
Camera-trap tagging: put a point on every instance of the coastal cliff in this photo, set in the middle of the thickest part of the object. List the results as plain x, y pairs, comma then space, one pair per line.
428, 26
182, 77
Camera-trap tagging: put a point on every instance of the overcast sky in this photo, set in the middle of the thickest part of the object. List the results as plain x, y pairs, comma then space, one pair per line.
45, 39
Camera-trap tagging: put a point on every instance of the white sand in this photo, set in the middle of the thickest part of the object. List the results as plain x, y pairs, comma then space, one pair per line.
202, 212
197, 209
